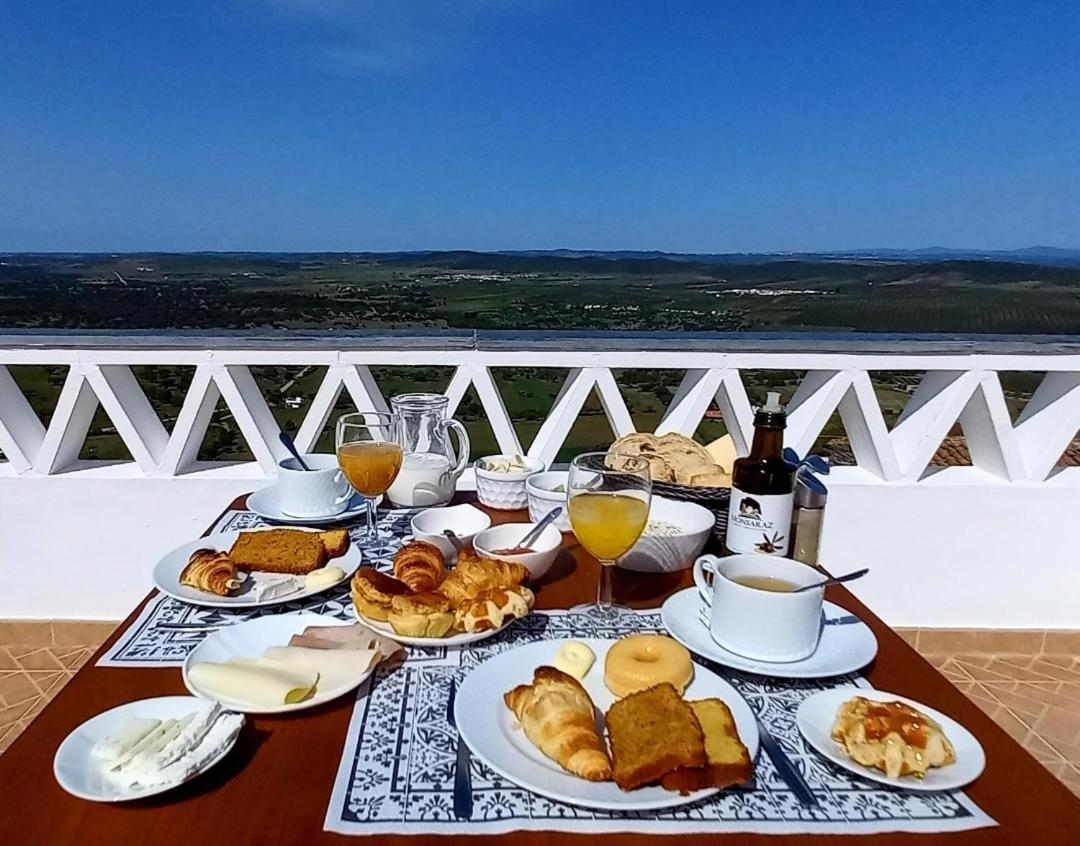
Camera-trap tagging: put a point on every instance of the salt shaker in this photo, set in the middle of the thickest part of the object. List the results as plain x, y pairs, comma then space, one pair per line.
807, 517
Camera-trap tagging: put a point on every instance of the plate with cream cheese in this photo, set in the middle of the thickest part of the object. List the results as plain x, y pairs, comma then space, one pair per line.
144, 748
255, 568
283, 663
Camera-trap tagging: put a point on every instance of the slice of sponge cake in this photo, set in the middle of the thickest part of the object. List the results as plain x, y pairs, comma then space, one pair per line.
652, 732
279, 551
728, 760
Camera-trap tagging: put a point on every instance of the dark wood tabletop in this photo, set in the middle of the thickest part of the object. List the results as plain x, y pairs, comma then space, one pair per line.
273, 788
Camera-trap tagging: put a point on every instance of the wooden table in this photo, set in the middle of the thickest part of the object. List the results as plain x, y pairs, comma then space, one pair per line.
274, 787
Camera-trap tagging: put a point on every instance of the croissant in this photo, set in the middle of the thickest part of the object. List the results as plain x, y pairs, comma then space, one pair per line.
559, 718
211, 571
473, 574
420, 565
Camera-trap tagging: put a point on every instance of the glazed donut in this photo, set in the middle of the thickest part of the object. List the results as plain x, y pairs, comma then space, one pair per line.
637, 662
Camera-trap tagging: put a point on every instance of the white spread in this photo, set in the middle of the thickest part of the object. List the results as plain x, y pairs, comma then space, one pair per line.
274, 585
574, 658
323, 577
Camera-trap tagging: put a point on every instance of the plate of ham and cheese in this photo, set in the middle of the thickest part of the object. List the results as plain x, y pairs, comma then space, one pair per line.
283, 663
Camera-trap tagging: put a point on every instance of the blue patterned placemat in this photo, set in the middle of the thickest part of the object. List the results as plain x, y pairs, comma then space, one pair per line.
396, 773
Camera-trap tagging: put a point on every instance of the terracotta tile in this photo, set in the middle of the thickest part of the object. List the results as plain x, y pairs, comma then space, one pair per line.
911, 636
82, 632
16, 687
1022, 706
967, 660
1009, 641
40, 660
979, 695
1060, 642
1040, 694
8, 735
7, 660
1059, 667
1019, 668
1069, 751
13, 713
26, 632
76, 658
47, 683
1039, 749
986, 674
947, 641
1013, 725
1056, 724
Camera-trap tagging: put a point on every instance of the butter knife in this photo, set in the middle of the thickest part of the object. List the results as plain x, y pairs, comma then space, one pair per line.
463, 798
791, 776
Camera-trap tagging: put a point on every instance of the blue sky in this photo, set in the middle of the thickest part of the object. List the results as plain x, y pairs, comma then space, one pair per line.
503, 124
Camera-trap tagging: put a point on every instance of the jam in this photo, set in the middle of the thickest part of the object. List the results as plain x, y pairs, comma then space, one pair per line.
884, 718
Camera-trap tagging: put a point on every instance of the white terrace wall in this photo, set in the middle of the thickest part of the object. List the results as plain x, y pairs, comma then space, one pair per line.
991, 545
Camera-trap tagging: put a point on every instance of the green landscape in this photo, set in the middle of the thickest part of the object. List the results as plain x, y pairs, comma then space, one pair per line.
338, 292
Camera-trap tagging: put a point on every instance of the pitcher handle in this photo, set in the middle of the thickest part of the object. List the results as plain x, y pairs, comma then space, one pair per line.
462, 447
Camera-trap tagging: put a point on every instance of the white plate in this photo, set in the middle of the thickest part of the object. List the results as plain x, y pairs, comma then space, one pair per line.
249, 640
815, 719
167, 574
842, 649
460, 639
494, 736
79, 773
264, 502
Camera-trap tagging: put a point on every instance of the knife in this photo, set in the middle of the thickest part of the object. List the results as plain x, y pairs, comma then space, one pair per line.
784, 767
463, 798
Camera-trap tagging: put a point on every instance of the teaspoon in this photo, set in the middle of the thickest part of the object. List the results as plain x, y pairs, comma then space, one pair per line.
835, 580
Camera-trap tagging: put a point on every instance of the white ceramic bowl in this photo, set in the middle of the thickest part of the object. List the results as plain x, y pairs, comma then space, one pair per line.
505, 491
510, 535
538, 489
656, 553
463, 520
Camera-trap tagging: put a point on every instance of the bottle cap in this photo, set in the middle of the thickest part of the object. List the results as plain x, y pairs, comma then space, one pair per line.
807, 497
771, 414
772, 402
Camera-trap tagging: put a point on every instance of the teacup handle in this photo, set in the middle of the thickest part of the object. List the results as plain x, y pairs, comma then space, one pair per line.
705, 564
348, 493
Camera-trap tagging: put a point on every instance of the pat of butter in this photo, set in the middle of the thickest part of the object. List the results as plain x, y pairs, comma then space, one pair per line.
574, 658
323, 577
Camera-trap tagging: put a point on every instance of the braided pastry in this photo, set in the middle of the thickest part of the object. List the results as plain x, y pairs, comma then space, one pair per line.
211, 572
420, 565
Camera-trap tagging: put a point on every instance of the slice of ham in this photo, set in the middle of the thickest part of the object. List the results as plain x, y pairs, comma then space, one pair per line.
355, 636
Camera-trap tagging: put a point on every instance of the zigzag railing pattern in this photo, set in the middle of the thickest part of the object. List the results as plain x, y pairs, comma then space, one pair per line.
952, 388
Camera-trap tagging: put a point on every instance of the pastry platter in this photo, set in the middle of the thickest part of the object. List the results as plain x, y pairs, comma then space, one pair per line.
493, 734
847, 644
815, 719
166, 574
458, 639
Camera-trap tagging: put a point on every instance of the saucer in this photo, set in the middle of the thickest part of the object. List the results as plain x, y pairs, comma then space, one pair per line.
264, 502
846, 645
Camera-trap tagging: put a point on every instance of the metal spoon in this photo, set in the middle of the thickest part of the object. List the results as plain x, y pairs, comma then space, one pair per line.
287, 440
454, 539
545, 521
835, 580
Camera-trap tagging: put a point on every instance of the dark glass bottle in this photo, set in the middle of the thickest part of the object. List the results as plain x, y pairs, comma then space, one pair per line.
761, 488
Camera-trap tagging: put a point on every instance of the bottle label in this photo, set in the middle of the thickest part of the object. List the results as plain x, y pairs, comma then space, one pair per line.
759, 523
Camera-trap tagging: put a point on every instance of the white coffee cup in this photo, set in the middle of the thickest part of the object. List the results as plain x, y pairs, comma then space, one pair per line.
321, 491
761, 624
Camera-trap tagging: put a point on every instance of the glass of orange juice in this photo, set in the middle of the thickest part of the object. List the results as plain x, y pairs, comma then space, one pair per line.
608, 497
369, 453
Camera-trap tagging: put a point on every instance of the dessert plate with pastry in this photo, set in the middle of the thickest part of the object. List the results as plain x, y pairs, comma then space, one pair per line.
890, 739
424, 604
284, 662
620, 725
257, 567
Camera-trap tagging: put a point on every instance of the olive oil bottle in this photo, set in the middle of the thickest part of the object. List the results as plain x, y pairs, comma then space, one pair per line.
762, 485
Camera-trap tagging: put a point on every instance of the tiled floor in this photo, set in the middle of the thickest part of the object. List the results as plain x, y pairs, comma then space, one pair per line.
1034, 698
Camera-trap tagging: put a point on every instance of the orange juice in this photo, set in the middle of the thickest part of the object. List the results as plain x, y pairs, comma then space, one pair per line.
370, 466
608, 524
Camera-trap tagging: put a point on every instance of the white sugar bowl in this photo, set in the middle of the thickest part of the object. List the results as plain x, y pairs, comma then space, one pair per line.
502, 488
544, 495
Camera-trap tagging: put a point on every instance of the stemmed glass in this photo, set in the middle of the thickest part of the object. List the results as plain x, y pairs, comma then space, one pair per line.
369, 452
608, 496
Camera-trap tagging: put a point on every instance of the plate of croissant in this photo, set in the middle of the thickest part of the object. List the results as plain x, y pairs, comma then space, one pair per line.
256, 568
423, 603
556, 728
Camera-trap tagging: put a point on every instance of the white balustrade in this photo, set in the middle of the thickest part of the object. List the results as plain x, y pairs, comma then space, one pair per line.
1010, 508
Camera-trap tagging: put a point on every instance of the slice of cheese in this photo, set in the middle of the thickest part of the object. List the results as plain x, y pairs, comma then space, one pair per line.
117, 743
260, 682
335, 667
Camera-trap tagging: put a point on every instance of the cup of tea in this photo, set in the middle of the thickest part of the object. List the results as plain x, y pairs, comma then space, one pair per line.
322, 491
752, 609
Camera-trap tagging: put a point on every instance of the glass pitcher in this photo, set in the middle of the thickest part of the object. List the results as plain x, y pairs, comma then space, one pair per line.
431, 466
